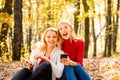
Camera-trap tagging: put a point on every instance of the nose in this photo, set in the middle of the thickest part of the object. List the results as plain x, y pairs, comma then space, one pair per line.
51, 38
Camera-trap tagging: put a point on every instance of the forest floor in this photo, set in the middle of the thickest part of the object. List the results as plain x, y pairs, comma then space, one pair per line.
98, 68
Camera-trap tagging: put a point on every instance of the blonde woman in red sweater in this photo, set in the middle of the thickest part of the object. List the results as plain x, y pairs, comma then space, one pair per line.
74, 48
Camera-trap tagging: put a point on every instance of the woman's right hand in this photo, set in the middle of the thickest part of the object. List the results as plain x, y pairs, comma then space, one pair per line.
67, 61
29, 64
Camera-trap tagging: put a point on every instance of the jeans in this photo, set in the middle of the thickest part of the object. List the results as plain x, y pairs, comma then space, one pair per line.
43, 72
74, 73
23, 74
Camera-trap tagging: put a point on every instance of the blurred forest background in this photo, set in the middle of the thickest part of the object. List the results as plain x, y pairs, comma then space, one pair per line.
96, 22
22, 22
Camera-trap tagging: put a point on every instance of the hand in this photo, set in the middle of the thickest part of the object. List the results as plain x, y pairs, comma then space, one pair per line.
37, 56
29, 64
41, 56
67, 61
34, 46
44, 58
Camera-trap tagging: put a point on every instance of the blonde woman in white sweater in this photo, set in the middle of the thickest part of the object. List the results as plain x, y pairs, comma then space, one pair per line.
45, 59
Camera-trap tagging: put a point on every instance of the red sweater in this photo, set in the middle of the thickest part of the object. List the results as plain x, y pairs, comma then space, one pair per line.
74, 50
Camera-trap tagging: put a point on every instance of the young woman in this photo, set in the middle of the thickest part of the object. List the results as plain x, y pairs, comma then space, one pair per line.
45, 59
74, 48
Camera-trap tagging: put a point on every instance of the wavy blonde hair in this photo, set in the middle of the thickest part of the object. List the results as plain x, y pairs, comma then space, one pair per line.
43, 42
73, 36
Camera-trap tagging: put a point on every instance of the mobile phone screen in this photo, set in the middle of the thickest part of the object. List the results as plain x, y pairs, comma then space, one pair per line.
63, 56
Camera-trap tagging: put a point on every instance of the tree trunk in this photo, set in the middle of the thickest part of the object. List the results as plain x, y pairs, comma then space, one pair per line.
108, 41
115, 29
86, 8
76, 23
29, 30
18, 34
8, 7
5, 26
94, 38
3, 36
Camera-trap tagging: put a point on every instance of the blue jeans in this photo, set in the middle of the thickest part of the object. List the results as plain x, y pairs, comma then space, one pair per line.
43, 72
74, 73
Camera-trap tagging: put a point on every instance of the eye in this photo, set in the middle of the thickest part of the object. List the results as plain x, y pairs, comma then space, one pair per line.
60, 29
65, 27
48, 36
54, 36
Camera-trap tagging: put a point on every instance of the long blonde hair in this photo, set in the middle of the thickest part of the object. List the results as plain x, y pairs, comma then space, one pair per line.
43, 42
73, 36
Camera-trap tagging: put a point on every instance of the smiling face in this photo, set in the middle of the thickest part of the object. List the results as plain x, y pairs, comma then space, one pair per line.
65, 30
51, 38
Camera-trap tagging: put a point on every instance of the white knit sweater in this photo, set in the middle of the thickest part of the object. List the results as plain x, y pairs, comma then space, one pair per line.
57, 67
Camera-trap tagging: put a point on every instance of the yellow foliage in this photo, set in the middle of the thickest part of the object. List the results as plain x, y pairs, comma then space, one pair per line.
25, 56
6, 18
5, 57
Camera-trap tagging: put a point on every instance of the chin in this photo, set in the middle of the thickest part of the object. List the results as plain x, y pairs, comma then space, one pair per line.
65, 38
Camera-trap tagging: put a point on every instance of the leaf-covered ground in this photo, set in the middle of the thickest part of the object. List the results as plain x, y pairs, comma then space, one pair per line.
98, 68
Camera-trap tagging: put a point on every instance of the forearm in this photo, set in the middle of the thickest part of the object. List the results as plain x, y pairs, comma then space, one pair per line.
72, 63
68, 62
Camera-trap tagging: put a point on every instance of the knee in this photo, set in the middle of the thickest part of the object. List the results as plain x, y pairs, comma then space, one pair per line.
25, 71
78, 67
22, 74
69, 69
47, 64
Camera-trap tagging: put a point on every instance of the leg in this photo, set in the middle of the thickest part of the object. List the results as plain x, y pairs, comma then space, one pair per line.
43, 72
68, 73
23, 74
63, 77
81, 74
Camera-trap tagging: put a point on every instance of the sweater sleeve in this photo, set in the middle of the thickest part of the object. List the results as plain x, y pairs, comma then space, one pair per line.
33, 53
57, 67
80, 52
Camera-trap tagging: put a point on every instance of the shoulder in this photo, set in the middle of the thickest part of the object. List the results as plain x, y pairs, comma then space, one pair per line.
58, 50
79, 41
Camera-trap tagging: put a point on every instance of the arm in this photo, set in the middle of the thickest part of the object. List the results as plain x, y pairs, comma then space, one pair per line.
35, 51
57, 66
79, 54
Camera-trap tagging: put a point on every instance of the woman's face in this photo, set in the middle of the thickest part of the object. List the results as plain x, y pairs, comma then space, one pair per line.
51, 38
65, 30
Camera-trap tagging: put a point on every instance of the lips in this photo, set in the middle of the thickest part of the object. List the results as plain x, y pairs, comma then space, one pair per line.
65, 34
52, 42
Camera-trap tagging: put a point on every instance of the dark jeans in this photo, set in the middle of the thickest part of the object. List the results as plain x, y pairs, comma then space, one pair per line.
23, 74
74, 73
43, 72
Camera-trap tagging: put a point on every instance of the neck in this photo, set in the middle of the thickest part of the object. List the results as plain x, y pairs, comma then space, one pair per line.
70, 39
49, 50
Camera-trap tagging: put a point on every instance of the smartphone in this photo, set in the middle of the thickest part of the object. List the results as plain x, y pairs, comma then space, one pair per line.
63, 56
